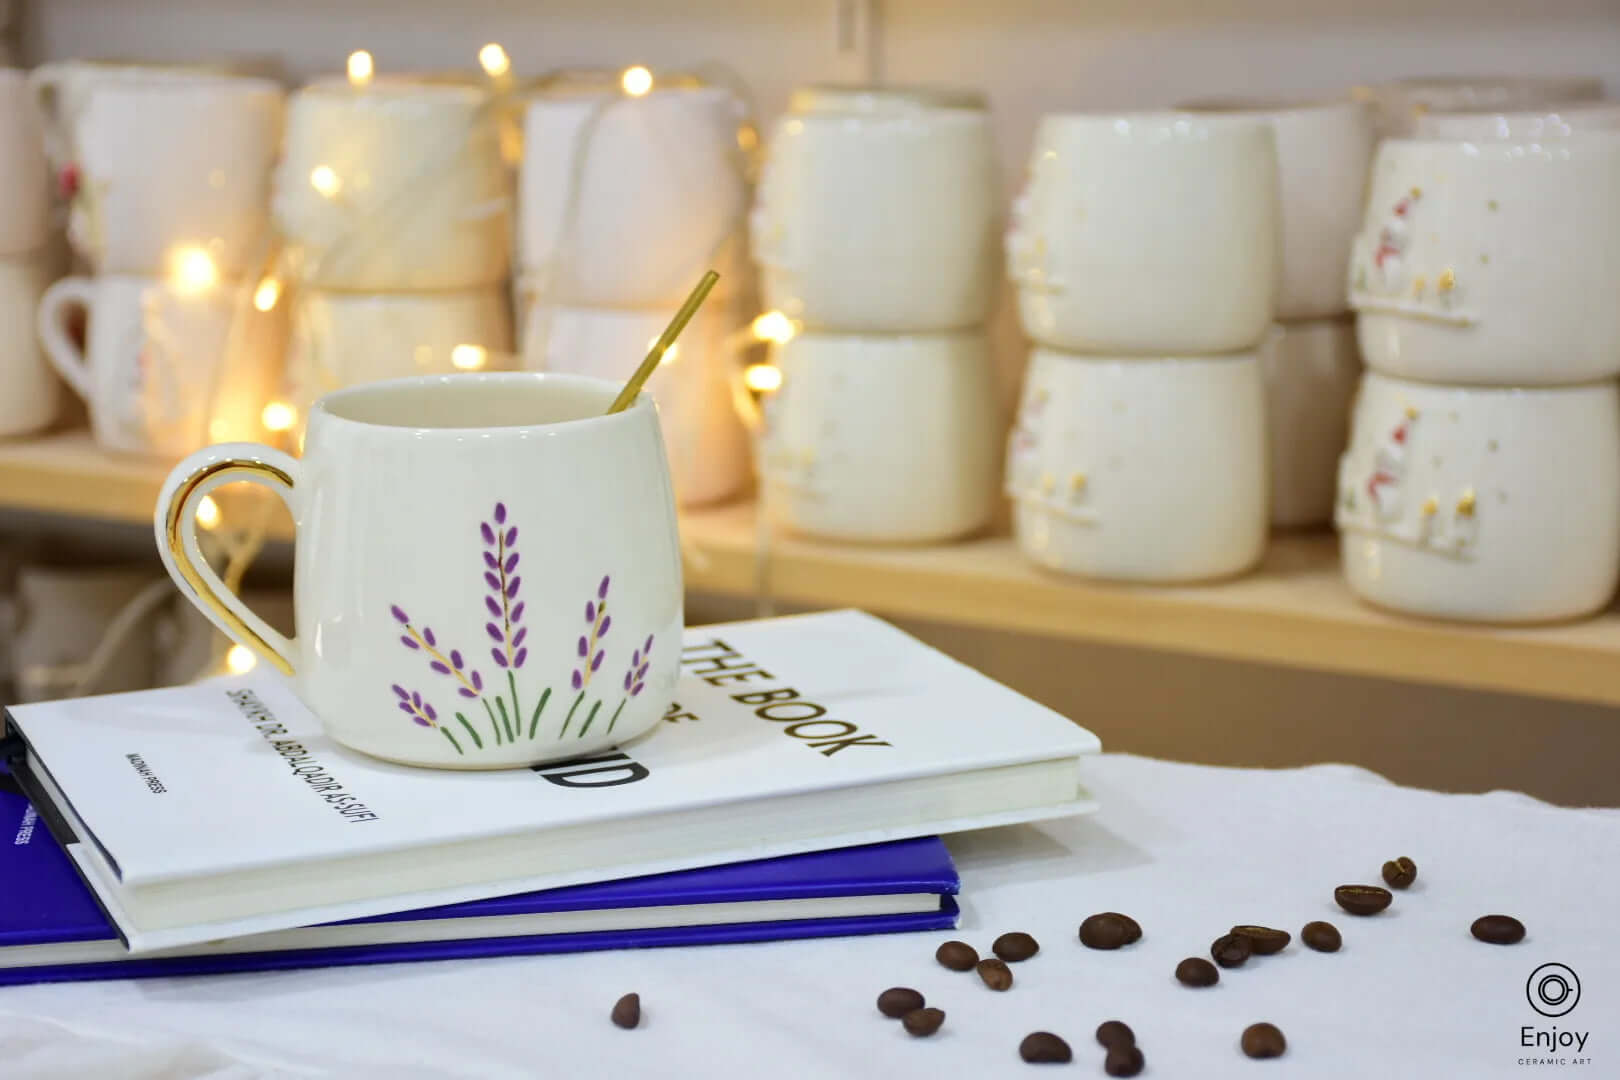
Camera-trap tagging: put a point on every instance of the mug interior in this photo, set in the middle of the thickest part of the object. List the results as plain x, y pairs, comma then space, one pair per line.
475, 401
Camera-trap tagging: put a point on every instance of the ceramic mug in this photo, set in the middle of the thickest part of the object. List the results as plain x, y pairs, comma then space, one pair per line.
1140, 469
879, 219
1552, 121
1311, 369
703, 435
165, 368
1148, 233
881, 438
625, 202
1323, 152
32, 395
1399, 104
24, 176
398, 185
1491, 261
1482, 503
486, 575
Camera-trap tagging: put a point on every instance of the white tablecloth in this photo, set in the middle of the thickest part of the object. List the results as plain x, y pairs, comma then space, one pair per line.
1187, 850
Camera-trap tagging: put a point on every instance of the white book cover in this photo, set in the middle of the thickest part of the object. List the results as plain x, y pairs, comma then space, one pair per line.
222, 809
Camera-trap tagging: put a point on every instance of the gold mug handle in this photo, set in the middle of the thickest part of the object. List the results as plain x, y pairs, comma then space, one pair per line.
175, 522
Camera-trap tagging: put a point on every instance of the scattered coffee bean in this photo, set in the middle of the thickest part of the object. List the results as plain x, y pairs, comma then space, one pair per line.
1264, 939
995, 973
1263, 1041
957, 955
1231, 950
1123, 1061
1399, 873
1043, 1047
1015, 946
1108, 930
896, 1001
1112, 1033
1498, 929
1362, 899
922, 1022
627, 1011
1196, 971
1321, 936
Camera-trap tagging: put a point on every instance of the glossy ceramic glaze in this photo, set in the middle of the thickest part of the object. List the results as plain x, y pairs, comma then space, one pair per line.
1311, 369
1492, 261
31, 392
882, 438
1483, 504
419, 197
1399, 104
487, 570
877, 214
1323, 152
1139, 468
1549, 122
24, 177
1148, 234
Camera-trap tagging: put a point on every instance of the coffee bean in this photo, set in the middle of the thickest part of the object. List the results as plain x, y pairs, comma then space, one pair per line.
1498, 929
1399, 873
1123, 1061
922, 1022
627, 1011
1264, 939
995, 973
1112, 1033
1043, 1048
1231, 950
896, 1001
1108, 930
1321, 936
1263, 1041
1362, 899
1015, 946
1196, 971
957, 955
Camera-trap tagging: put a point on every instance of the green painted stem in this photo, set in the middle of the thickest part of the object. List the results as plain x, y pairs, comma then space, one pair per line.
579, 697
494, 724
616, 713
476, 740
517, 710
534, 722
506, 721
452, 738
587, 725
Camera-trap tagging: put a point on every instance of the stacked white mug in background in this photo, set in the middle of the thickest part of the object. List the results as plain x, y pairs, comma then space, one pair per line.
1146, 250
874, 232
169, 172
626, 196
393, 198
28, 388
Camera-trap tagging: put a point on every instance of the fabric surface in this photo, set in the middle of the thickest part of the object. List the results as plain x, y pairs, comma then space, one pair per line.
1186, 850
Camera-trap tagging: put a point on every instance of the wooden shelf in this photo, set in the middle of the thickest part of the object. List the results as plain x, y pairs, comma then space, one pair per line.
1294, 611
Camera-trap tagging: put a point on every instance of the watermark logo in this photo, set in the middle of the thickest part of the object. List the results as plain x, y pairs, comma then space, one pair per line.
1553, 990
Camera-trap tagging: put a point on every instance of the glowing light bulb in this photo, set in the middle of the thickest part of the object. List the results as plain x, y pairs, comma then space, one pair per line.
636, 81
493, 59
193, 269
266, 295
469, 357
747, 138
324, 180
361, 68
775, 327
239, 661
208, 512
278, 416
762, 378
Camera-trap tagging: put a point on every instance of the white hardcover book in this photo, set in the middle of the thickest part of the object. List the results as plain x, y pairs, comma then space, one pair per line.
222, 809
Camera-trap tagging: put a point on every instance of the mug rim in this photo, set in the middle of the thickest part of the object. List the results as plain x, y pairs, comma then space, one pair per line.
862, 98
414, 88
1551, 146
1244, 105
1126, 122
609, 387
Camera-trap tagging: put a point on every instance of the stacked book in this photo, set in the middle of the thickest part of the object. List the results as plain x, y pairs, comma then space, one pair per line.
796, 789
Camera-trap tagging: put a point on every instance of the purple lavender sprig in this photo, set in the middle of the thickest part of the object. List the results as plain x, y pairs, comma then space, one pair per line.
412, 705
598, 619
471, 683
505, 627
635, 676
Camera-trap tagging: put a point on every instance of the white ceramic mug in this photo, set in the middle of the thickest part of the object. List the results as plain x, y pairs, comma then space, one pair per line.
165, 368
31, 392
398, 185
344, 339
1140, 469
1311, 370
703, 435
1549, 122
880, 218
1400, 103
1323, 151
1492, 261
1148, 233
881, 438
24, 176
625, 202
487, 572
1482, 504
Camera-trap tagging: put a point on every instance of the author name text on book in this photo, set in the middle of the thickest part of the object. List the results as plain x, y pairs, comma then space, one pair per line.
299, 759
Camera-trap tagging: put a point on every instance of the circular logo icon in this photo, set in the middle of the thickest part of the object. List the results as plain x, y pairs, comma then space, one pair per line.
1553, 989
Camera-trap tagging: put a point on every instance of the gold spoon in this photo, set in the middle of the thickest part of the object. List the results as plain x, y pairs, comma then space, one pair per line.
688, 309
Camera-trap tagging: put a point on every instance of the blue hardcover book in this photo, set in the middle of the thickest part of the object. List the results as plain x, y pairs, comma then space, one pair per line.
52, 930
